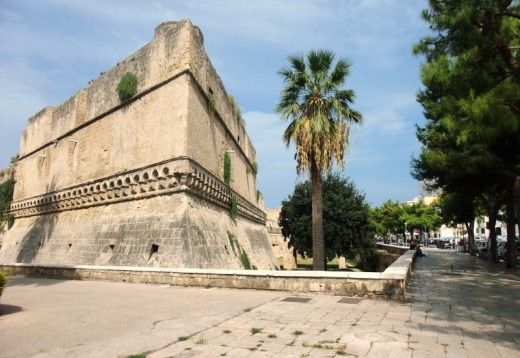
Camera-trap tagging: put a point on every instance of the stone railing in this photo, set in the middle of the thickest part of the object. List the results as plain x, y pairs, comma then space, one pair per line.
165, 178
390, 284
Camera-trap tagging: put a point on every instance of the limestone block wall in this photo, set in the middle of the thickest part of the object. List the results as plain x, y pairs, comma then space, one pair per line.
163, 231
281, 250
94, 163
92, 134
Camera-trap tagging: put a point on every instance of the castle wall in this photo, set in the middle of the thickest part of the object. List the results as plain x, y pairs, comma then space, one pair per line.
93, 164
186, 231
111, 145
92, 134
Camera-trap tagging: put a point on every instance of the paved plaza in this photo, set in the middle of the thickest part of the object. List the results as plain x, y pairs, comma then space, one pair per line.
458, 306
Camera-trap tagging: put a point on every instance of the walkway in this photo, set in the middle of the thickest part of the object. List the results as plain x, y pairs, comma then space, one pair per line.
459, 306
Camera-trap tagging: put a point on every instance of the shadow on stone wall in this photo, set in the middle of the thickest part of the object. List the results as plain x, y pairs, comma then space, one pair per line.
38, 234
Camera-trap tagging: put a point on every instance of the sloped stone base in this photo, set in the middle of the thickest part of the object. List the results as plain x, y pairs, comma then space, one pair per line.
175, 231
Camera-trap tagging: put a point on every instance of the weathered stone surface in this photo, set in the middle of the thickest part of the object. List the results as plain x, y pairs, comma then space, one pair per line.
140, 183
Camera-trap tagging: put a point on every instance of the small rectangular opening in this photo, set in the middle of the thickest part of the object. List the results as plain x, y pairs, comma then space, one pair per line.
153, 251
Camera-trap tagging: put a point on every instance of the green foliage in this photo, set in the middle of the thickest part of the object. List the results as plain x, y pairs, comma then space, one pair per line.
4, 278
319, 115
255, 168
245, 261
471, 140
259, 195
15, 158
183, 338
388, 218
137, 356
6, 197
346, 220
233, 210
255, 330
211, 101
227, 169
231, 239
127, 87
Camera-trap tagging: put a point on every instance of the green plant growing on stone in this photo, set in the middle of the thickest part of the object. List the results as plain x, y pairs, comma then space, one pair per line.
255, 330
233, 209
236, 108
183, 338
272, 335
6, 196
231, 238
227, 169
245, 261
259, 195
127, 87
211, 101
255, 167
15, 158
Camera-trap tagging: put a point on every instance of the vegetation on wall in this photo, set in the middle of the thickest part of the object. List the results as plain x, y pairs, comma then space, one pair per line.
227, 169
245, 261
211, 101
243, 254
231, 238
6, 196
259, 195
255, 168
15, 158
236, 111
233, 209
127, 87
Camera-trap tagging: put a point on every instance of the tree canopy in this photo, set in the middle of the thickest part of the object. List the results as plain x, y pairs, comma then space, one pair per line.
346, 217
471, 100
319, 115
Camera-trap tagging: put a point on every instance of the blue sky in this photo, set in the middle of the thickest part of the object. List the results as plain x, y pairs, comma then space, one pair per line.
50, 49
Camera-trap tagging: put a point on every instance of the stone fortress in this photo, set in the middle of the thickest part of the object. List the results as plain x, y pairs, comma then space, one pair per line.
141, 182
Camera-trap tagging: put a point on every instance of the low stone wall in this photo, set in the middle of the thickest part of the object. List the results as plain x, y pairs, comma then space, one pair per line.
390, 284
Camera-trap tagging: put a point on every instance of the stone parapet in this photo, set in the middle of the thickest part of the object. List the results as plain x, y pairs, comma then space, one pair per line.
169, 177
390, 284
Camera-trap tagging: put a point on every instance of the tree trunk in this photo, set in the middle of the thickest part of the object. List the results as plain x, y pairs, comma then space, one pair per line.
470, 228
318, 252
492, 242
511, 249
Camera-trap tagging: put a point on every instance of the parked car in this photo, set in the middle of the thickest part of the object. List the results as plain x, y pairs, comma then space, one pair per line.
481, 247
502, 250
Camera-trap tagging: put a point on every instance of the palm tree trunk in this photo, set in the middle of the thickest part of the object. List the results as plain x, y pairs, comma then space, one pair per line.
318, 254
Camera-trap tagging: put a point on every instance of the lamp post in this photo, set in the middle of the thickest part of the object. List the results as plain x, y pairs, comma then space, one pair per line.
405, 231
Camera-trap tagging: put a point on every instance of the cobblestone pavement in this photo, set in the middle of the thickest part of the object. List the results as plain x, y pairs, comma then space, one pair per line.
458, 306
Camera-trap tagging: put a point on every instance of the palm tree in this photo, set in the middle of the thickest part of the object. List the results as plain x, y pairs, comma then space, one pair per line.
320, 117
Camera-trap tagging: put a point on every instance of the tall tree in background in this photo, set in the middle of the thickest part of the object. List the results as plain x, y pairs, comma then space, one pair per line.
319, 116
472, 100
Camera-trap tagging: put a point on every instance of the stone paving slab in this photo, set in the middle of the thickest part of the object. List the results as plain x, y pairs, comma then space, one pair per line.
457, 306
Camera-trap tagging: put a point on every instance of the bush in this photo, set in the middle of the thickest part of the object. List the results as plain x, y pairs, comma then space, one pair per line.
127, 87
4, 278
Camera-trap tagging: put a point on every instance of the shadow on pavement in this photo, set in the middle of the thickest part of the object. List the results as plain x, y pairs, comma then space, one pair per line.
9, 309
